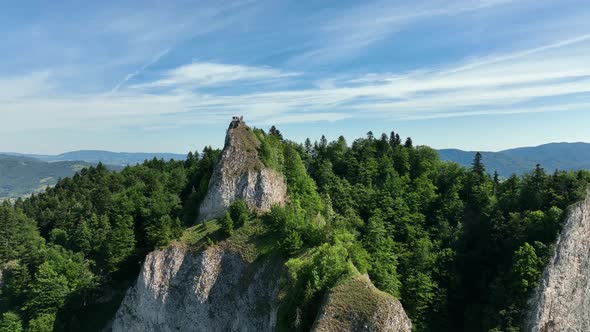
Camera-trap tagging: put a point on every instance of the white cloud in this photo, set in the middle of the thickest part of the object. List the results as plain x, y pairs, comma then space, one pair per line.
205, 74
511, 83
20, 86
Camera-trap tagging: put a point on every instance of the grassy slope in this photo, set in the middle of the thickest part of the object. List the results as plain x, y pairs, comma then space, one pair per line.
351, 304
252, 241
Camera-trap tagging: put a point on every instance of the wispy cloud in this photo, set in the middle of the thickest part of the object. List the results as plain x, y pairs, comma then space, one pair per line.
349, 33
511, 83
22, 86
550, 76
204, 74
137, 72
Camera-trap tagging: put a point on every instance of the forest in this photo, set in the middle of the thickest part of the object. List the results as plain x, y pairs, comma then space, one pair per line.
462, 250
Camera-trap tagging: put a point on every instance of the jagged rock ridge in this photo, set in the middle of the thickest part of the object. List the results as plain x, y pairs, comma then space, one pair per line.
222, 288
214, 290
562, 300
240, 175
357, 305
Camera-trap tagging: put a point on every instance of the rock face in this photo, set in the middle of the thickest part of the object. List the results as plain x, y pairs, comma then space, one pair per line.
562, 300
240, 175
357, 305
215, 290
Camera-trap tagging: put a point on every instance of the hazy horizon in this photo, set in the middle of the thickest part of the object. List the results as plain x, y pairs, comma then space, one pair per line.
221, 146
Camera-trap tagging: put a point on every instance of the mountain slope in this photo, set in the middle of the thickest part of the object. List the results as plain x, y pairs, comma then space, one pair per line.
105, 157
566, 156
23, 175
562, 156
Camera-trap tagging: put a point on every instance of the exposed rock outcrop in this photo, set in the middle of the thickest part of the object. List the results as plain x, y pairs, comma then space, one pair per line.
240, 175
214, 290
562, 300
231, 286
357, 305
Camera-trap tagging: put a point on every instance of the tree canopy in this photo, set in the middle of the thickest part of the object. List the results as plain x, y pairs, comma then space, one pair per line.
462, 250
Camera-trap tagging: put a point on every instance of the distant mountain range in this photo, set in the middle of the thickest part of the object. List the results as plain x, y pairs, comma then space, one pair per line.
552, 156
106, 157
21, 175
24, 174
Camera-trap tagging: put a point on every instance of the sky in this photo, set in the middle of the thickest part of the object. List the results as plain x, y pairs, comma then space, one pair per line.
167, 76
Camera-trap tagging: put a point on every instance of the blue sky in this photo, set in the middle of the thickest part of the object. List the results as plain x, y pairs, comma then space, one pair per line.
168, 75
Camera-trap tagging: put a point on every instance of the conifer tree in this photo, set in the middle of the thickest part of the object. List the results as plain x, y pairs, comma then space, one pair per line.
398, 140
227, 224
478, 168
273, 131
392, 139
10, 322
308, 148
408, 143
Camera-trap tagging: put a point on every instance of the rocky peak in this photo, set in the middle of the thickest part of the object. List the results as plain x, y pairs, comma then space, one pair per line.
240, 175
562, 300
357, 305
212, 290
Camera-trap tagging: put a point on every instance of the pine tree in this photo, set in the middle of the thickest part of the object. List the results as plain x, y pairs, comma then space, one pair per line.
10, 322
408, 143
496, 182
121, 243
308, 147
275, 132
381, 249
478, 168
323, 144
42, 323
239, 213
227, 224
392, 139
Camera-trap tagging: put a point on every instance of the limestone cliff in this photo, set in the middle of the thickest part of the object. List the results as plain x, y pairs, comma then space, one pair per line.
357, 305
240, 175
562, 300
214, 290
220, 290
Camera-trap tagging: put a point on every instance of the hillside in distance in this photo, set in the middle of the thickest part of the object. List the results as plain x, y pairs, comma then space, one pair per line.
25, 174
20, 176
552, 156
105, 157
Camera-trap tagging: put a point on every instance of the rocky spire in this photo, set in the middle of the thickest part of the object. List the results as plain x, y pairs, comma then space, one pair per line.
240, 175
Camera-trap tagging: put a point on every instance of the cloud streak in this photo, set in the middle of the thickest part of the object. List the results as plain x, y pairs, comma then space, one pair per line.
206, 74
352, 32
137, 72
550, 76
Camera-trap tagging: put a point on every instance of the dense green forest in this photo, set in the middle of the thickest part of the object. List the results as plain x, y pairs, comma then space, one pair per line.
462, 250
